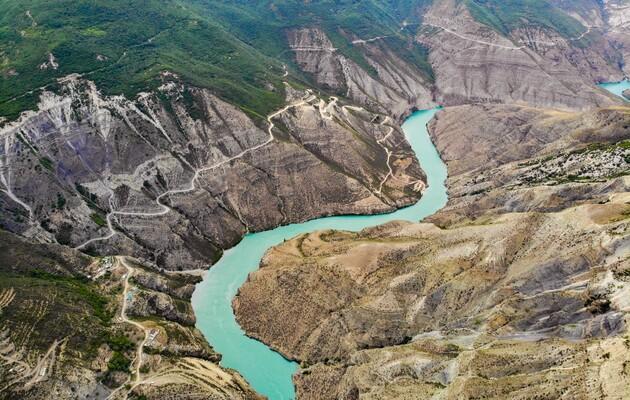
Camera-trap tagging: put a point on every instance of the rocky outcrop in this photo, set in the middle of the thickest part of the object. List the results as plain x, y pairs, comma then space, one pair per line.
146, 303
519, 159
473, 63
180, 287
392, 86
462, 305
190, 378
178, 175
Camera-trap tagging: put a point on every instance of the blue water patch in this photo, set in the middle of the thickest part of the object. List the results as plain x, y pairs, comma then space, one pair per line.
267, 371
616, 88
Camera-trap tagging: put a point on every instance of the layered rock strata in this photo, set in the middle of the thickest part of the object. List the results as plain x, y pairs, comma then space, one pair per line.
517, 288
176, 176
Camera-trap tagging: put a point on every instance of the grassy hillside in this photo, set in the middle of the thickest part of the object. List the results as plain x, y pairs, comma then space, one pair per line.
51, 300
235, 48
263, 24
124, 46
507, 15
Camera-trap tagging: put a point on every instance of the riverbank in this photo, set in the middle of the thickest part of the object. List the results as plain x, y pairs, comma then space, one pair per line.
527, 262
267, 371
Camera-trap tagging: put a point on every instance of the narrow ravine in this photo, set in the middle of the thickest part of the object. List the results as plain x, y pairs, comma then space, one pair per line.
267, 371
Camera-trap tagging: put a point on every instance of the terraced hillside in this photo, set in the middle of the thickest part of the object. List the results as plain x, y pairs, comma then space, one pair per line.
73, 327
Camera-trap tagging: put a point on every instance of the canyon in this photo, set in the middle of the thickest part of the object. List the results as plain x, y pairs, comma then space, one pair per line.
146, 178
129, 167
523, 257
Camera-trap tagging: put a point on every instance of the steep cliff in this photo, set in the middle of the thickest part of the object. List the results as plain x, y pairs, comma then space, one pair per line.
532, 247
177, 175
386, 82
533, 64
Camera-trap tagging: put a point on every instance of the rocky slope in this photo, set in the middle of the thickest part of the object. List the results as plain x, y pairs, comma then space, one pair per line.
535, 160
474, 63
178, 175
387, 83
62, 332
439, 308
521, 278
517, 289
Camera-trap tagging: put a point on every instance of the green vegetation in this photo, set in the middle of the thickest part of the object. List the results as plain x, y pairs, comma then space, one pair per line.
193, 109
413, 53
234, 48
78, 287
507, 15
61, 201
263, 24
623, 145
54, 304
98, 219
46, 163
119, 362
452, 348
53, 307
124, 46
90, 198
120, 343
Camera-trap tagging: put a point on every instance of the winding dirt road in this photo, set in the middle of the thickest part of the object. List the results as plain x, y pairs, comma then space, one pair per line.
137, 361
500, 46
164, 209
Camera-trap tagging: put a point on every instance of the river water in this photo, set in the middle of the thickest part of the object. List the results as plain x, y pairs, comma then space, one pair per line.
616, 88
267, 371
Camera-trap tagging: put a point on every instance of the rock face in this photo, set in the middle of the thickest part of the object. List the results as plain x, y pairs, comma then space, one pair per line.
498, 134
473, 63
517, 281
178, 175
617, 17
394, 87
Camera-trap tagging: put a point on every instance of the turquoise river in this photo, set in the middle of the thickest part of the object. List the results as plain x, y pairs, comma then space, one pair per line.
616, 88
267, 371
